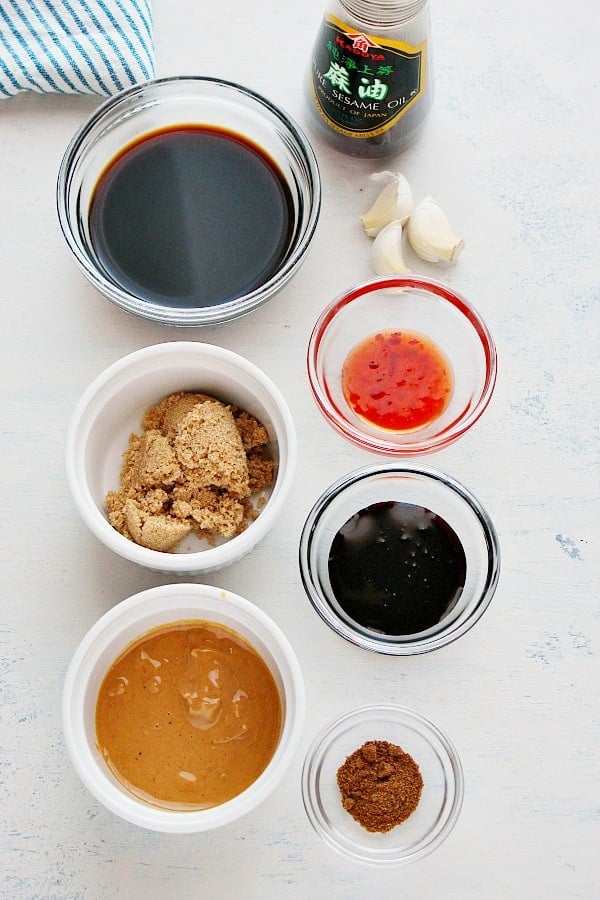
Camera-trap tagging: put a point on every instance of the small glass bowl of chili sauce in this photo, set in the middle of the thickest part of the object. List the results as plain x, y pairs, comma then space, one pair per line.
401, 366
399, 559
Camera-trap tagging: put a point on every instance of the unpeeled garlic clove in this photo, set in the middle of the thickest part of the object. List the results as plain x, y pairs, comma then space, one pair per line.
386, 252
395, 201
430, 235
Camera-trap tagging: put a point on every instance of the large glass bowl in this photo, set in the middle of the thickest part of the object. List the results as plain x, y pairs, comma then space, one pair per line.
184, 101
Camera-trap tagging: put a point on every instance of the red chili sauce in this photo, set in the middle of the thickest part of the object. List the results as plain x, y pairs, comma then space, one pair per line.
397, 380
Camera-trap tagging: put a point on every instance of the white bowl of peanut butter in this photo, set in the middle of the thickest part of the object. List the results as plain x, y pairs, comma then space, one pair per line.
180, 456
183, 707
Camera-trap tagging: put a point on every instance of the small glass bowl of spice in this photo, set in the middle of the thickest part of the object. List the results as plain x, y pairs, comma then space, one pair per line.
382, 785
401, 366
399, 559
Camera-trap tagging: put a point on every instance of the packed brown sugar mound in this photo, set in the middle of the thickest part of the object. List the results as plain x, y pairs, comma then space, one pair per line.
192, 470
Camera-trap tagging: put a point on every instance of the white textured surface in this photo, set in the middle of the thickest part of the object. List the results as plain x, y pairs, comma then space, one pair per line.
512, 155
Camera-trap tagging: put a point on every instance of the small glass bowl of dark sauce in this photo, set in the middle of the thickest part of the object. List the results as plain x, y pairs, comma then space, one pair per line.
189, 200
401, 366
399, 559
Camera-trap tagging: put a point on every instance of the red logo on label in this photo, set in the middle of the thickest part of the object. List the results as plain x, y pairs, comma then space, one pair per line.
360, 42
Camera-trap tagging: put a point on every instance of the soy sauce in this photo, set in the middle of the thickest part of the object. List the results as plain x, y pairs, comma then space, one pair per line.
190, 217
396, 568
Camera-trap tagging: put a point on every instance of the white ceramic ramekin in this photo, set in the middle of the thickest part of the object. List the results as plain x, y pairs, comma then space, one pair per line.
109, 637
112, 408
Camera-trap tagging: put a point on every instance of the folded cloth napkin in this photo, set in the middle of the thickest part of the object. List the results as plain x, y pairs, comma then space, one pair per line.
74, 46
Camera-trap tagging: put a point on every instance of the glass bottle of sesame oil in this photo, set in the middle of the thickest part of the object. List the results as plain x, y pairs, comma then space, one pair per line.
370, 84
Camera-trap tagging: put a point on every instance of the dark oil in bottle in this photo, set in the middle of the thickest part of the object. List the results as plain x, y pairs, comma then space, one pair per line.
191, 216
396, 568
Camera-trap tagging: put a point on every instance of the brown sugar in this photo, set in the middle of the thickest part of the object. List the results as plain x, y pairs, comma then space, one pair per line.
192, 470
380, 785
208, 444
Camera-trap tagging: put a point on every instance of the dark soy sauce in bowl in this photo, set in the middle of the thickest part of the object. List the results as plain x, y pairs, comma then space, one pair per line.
191, 216
396, 568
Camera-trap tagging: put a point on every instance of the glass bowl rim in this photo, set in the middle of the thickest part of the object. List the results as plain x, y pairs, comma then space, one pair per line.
192, 316
382, 646
379, 444
400, 714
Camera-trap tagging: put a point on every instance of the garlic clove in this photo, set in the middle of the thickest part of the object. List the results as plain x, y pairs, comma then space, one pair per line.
430, 235
395, 201
386, 252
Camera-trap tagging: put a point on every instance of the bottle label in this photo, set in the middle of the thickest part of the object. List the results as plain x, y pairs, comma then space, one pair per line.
362, 84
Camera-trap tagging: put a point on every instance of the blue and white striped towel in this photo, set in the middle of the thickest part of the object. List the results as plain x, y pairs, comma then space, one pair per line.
74, 46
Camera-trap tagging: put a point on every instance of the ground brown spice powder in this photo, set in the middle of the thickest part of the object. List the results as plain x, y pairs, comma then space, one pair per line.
380, 785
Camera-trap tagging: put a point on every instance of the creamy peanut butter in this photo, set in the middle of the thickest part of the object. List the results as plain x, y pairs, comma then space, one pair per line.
188, 716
